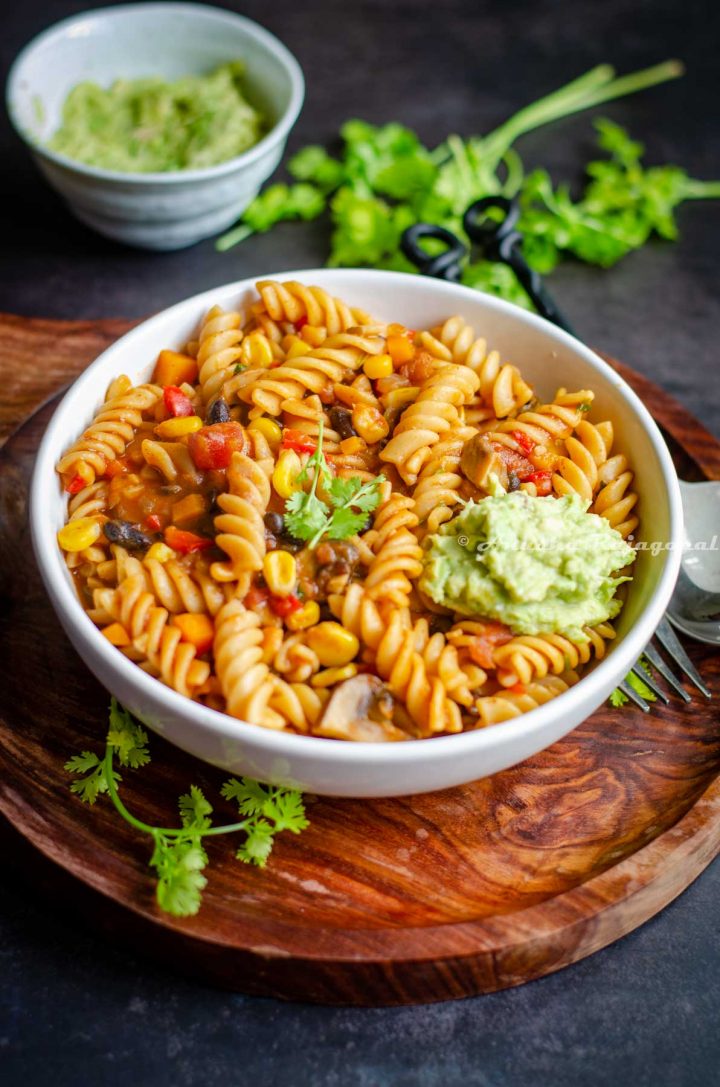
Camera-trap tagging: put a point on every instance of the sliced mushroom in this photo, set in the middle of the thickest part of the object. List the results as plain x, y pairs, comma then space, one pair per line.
356, 712
479, 460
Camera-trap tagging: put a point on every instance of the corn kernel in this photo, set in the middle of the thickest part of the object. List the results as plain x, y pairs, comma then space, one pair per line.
269, 429
160, 552
280, 572
399, 348
177, 428
378, 366
297, 348
79, 534
370, 424
256, 351
116, 634
334, 675
333, 644
287, 470
304, 617
352, 445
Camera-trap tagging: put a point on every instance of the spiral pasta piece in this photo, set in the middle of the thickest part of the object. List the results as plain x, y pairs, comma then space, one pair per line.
493, 709
616, 500
400, 663
109, 434
180, 589
432, 414
244, 678
398, 556
316, 371
292, 301
527, 658
219, 350
240, 527
157, 644
437, 490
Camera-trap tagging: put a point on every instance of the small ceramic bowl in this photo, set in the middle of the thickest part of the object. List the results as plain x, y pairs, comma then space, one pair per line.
154, 210
547, 358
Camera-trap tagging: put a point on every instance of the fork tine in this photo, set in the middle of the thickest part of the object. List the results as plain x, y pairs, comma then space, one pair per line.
658, 663
668, 639
642, 675
634, 696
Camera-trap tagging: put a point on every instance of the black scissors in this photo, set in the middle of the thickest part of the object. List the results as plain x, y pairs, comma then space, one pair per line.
498, 240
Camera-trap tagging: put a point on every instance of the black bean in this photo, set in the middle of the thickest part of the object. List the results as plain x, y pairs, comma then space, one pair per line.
219, 411
341, 420
127, 534
275, 523
513, 481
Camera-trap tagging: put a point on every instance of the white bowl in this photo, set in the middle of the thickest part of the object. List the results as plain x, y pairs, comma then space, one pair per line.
548, 358
154, 210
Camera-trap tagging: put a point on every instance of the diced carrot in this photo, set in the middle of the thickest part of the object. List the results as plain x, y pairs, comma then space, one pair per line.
172, 368
199, 630
399, 348
188, 509
116, 634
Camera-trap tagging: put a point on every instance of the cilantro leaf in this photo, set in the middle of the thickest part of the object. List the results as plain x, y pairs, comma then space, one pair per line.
195, 809
344, 523
95, 782
619, 698
258, 845
305, 515
127, 737
179, 864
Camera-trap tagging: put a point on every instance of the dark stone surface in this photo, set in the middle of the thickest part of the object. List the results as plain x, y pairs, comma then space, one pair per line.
642, 1012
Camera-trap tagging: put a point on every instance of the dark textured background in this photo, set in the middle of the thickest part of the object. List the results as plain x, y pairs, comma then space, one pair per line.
75, 1010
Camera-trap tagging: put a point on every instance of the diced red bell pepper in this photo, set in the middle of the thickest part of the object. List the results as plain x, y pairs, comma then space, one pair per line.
285, 605
75, 485
116, 468
213, 446
153, 523
177, 402
524, 440
185, 542
542, 481
295, 439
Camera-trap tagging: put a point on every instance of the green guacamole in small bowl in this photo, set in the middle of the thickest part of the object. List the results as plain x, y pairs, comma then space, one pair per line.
151, 125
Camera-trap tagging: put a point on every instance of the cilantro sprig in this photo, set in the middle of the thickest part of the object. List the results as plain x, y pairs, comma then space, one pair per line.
349, 501
178, 855
385, 180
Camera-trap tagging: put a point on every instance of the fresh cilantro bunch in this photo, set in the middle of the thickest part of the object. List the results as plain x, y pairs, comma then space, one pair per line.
178, 856
385, 180
349, 501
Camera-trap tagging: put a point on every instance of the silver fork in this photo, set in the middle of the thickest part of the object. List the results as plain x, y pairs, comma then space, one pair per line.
667, 638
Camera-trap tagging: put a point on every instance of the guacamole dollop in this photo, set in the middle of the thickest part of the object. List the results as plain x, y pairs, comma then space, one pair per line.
148, 125
539, 565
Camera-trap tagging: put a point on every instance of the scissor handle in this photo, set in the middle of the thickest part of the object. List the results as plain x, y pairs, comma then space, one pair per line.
446, 265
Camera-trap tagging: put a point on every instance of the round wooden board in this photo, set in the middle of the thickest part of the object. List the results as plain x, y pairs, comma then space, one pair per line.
379, 902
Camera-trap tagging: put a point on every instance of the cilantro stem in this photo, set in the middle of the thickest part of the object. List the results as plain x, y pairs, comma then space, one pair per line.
701, 190
233, 237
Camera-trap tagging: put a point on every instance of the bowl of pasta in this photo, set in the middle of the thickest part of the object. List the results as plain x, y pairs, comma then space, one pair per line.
293, 526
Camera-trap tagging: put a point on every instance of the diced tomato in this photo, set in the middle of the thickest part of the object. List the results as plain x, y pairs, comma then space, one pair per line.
482, 646
213, 446
542, 481
177, 402
285, 605
517, 688
300, 323
153, 523
185, 542
255, 596
75, 485
295, 439
524, 440
513, 461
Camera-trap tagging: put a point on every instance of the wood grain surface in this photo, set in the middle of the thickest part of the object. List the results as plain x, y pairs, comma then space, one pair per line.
378, 902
